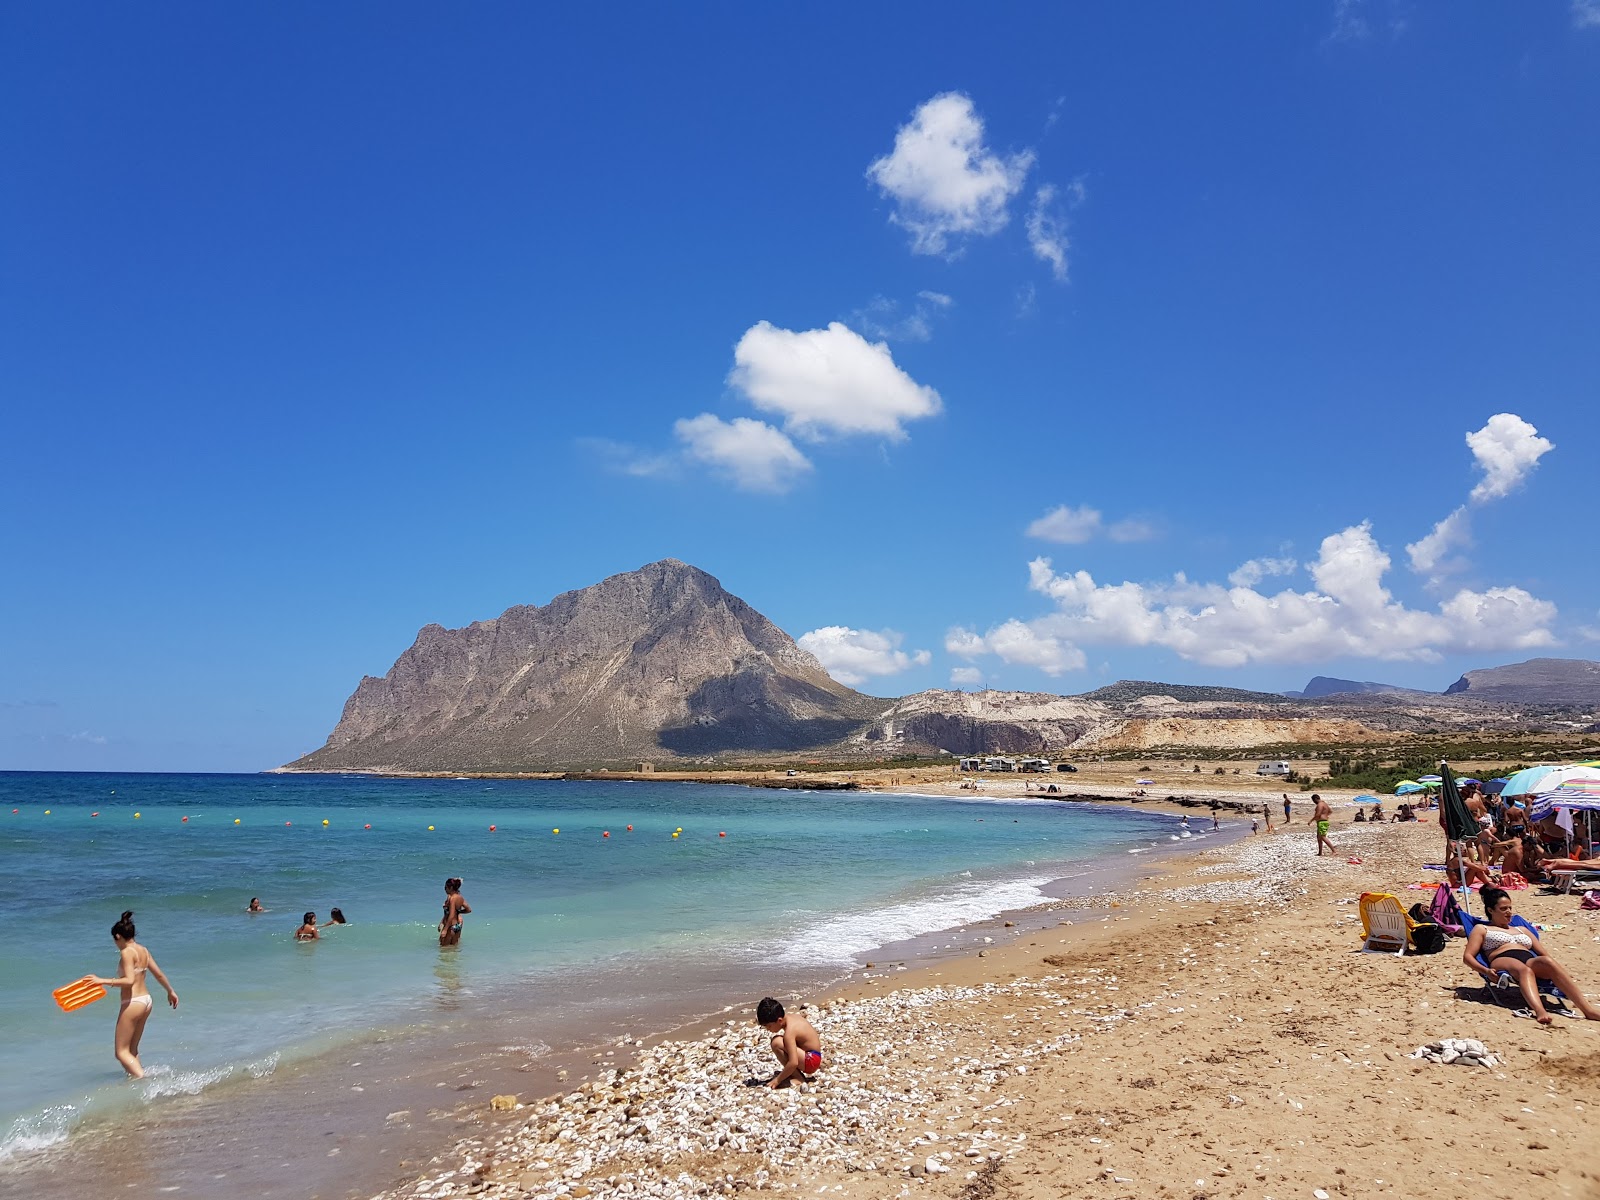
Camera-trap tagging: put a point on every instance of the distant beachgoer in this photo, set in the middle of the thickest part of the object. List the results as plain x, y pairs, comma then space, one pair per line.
1255, 825
1184, 821
1455, 867
308, 931
455, 907
1361, 816
133, 963
336, 917
254, 906
1321, 814
1215, 824
1286, 808
1516, 951
795, 1043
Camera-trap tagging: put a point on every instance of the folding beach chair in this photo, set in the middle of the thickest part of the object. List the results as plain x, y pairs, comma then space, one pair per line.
1384, 924
1505, 990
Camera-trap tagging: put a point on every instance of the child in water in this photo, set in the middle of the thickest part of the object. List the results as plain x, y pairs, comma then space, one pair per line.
796, 1044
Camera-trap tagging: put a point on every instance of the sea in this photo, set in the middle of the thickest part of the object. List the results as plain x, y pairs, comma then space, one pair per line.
602, 913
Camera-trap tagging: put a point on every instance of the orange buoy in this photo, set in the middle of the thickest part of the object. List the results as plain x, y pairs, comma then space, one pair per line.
288, 822
723, 834
78, 993
366, 827
491, 829
630, 827
185, 820
605, 833
94, 814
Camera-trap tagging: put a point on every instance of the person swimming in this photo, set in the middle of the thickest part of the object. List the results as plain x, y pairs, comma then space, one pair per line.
336, 917
134, 962
254, 906
308, 931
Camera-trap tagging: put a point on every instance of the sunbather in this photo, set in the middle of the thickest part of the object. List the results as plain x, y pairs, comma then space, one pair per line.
1514, 951
1455, 869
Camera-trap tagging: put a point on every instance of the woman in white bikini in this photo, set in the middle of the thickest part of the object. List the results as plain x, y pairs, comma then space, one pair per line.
1517, 952
133, 962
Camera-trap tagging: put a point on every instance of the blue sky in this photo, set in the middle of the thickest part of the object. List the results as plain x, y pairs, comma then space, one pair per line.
321, 323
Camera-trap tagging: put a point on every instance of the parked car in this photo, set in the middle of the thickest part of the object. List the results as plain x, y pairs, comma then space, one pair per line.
1278, 767
1065, 767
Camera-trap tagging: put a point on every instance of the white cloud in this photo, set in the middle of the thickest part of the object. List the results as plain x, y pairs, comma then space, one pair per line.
1131, 529
1250, 573
1067, 525
852, 656
1586, 14
1507, 448
966, 676
1027, 644
754, 455
889, 321
1428, 554
1047, 232
944, 181
1349, 615
630, 460
1074, 526
828, 381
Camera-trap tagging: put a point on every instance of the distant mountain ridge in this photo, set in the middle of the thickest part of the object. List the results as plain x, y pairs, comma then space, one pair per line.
1538, 681
1325, 685
663, 663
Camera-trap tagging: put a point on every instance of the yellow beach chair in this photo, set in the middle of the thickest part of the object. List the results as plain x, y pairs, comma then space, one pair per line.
1384, 924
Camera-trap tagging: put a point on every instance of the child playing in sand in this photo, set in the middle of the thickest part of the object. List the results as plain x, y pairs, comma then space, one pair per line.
795, 1042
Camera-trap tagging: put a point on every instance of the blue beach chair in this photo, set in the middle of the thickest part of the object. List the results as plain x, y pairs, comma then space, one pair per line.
1505, 982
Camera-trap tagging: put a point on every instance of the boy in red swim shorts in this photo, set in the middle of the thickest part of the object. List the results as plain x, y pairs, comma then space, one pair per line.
795, 1043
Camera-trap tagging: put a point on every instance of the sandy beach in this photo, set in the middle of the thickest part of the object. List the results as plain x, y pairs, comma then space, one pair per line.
1212, 1032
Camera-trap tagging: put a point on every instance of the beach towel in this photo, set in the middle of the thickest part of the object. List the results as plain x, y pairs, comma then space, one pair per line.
1512, 882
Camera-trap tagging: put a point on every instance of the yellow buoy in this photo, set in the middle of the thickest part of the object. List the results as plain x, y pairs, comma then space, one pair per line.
555, 831
674, 835
136, 816
324, 820
47, 812
430, 828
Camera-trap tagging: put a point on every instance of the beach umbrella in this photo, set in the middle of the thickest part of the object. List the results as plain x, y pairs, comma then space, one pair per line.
1575, 788
1495, 786
1524, 782
1144, 781
1457, 819
1408, 787
1430, 778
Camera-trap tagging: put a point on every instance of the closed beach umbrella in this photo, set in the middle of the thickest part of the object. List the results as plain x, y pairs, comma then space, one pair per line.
1525, 782
1457, 819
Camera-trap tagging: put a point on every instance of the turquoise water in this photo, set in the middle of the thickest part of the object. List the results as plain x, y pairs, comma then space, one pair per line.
801, 881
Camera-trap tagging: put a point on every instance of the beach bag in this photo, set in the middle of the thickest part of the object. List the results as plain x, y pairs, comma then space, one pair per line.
1427, 939
1446, 913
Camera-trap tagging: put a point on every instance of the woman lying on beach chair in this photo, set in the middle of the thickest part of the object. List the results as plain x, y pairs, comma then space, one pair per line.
1500, 946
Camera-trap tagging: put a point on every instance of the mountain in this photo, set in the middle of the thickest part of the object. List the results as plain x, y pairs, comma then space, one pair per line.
656, 661
1324, 685
1537, 681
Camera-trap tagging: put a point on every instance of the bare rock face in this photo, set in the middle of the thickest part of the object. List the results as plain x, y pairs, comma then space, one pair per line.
987, 722
1573, 681
661, 659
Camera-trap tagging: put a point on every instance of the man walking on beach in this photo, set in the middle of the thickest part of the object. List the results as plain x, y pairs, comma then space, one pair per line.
1321, 814
1286, 808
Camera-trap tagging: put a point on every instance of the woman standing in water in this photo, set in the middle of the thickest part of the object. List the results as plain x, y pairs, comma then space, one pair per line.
455, 907
133, 962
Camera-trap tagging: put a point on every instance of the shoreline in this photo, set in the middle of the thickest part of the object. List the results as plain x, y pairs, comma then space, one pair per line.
1265, 1058
423, 1090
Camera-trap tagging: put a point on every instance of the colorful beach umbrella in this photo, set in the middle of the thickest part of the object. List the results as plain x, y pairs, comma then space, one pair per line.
1525, 782
1430, 778
1576, 788
1408, 787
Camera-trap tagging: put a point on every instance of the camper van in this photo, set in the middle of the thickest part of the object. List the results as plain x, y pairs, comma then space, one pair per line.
1278, 766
